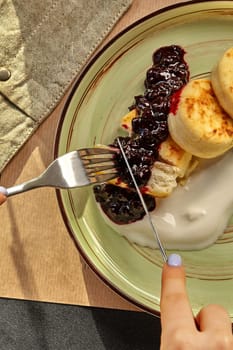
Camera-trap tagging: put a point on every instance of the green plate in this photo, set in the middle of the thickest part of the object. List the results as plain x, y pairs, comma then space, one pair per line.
101, 96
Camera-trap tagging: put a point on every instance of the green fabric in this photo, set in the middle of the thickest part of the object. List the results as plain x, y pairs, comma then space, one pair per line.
44, 44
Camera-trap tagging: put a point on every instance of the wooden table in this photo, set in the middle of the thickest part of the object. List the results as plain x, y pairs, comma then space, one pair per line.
38, 258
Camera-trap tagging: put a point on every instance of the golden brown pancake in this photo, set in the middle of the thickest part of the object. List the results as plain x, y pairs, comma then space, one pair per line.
198, 123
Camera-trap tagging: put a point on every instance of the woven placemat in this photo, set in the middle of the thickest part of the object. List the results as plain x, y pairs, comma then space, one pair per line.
43, 45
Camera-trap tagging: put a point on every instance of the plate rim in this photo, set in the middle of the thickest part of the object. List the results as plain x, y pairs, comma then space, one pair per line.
65, 108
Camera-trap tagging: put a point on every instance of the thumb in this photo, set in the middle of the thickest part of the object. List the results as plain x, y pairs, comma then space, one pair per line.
175, 307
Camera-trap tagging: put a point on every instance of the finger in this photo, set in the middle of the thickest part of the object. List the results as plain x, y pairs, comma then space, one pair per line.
3, 196
214, 318
175, 307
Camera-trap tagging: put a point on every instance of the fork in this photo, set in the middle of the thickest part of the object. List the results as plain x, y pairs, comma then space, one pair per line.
74, 169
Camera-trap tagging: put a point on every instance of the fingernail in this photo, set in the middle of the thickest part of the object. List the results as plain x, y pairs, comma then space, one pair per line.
174, 260
3, 190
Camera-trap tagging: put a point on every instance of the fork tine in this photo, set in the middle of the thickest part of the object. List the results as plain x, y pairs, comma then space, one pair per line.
85, 152
100, 168
93, 160
92, 156
99, 163
102, 177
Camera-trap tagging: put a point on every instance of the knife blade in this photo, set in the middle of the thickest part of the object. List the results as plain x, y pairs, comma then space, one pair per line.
159, 243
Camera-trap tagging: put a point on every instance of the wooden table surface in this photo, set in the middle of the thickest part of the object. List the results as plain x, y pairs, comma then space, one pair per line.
38, 258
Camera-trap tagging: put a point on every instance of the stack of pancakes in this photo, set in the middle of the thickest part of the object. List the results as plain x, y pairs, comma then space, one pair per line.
200, 125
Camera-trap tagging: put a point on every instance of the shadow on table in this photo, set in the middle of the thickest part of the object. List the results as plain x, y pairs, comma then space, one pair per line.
27, 325
130, 329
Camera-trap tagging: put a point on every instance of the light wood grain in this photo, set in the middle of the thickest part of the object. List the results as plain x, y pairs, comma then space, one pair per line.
38, 258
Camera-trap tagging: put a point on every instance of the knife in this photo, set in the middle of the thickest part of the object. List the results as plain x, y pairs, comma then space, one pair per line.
160, 245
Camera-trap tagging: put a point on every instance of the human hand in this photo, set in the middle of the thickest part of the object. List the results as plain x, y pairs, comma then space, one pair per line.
211, 329
3, 196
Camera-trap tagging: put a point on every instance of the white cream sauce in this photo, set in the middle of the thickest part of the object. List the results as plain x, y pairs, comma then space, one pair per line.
194, 215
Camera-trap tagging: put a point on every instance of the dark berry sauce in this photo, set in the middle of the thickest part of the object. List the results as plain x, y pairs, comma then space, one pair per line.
175, 99
168, 74
122, 205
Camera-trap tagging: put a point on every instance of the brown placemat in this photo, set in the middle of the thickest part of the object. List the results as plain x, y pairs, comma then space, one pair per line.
43, 47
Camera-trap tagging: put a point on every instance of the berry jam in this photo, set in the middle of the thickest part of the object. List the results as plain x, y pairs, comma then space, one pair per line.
168, 74
122, 205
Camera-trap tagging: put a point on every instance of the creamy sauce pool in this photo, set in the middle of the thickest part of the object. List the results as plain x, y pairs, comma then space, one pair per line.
194, 215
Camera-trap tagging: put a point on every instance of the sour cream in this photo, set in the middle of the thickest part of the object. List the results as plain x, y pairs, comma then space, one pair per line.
194, 215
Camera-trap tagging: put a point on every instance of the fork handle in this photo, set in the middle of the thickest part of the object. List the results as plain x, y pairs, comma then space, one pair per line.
23, 187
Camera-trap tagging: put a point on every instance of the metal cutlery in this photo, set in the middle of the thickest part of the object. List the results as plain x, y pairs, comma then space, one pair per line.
74, 169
